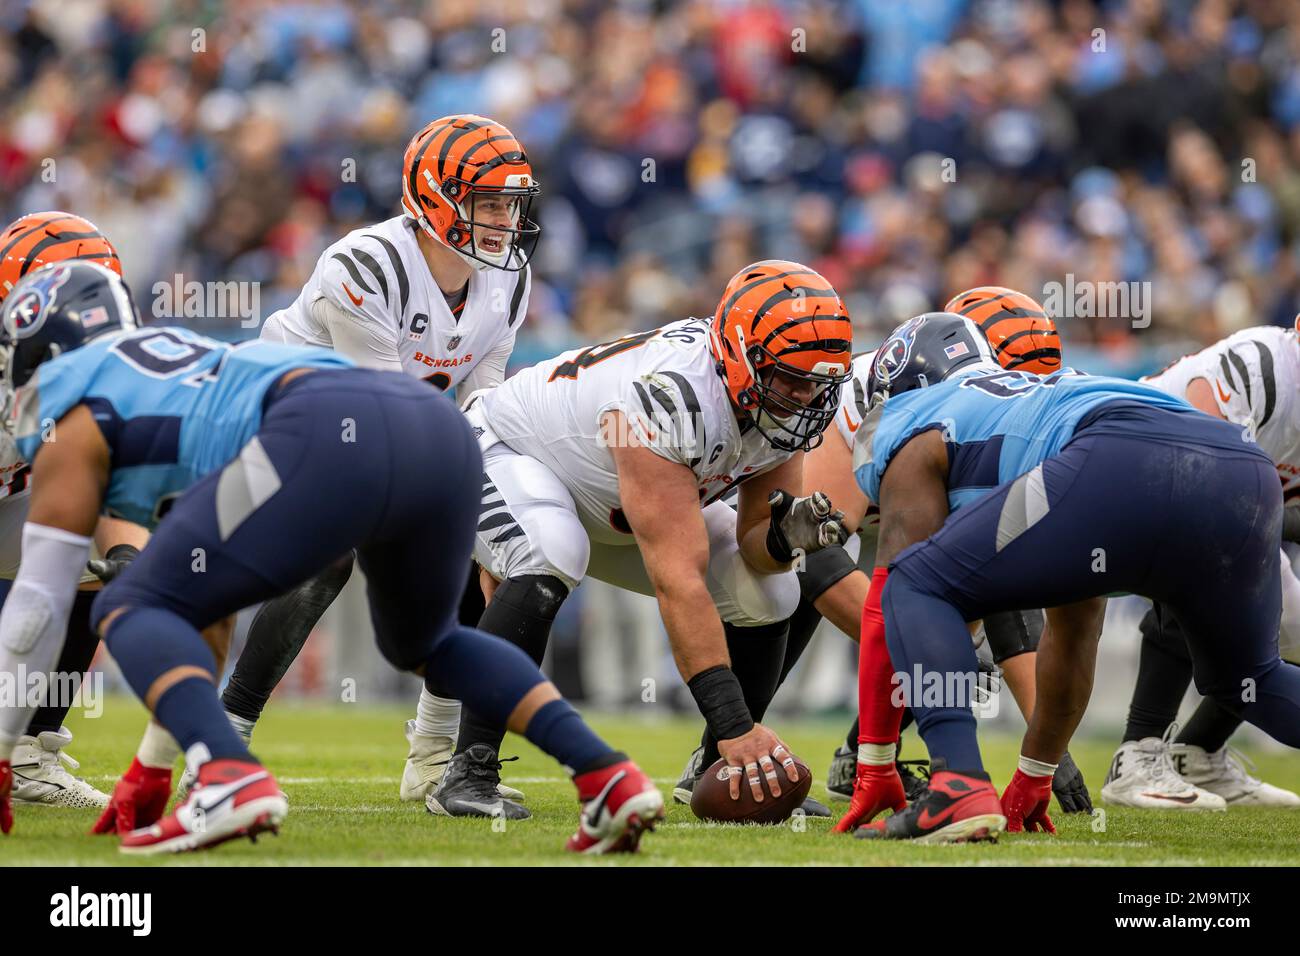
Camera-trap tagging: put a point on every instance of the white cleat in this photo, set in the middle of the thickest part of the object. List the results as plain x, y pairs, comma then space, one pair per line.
1224, 772
1141, 776
426, 762
40, 777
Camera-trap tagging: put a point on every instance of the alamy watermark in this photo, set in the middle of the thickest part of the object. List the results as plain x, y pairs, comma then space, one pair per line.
1074, 299
32, 689
208, 300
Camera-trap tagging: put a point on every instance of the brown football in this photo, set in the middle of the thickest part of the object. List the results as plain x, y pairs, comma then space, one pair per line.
711, 798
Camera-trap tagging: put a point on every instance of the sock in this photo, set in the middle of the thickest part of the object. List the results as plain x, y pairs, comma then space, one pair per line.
560, 731
757, 654
950, 736
79, 648
436, 716
276, 637
1164, 671
193, 715
460, 659
158, 749
1210, 727
851, 741
150, 642
803, 624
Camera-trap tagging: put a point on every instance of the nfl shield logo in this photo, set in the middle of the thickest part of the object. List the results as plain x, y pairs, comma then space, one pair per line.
452, 343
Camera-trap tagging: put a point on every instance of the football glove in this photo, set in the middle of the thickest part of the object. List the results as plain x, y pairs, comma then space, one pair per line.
138, 800
876, 788
802, 524
1025, 802
1070, 789
114, 563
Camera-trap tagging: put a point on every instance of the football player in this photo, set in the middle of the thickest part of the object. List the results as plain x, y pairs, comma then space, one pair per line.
40, 761
437, 293
613, 461
257, 465
1070, 487
1251, 379
835, 581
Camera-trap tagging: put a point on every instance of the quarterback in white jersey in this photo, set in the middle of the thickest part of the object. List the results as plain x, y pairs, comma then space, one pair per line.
1251, 378
438, 293
613, 460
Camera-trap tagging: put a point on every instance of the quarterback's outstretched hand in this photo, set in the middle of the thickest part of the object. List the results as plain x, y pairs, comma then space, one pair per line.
138, 800
802, 524
1025, 802
1070, 789
876, 788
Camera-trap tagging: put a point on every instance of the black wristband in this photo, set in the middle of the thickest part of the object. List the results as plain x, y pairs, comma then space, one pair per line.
777, 546
122, 552
718, 695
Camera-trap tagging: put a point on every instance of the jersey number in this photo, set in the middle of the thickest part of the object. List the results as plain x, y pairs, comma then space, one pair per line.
598, 353
161, 354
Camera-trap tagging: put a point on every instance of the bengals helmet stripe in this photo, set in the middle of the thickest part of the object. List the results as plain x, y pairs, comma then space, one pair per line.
1021, 332
782, 316
41, 238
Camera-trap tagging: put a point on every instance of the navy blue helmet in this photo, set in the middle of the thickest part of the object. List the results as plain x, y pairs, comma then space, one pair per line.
57, 309
925, 350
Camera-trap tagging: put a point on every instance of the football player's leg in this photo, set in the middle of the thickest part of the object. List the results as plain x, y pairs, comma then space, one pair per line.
40, 765
529, 537
415, 583
275, 638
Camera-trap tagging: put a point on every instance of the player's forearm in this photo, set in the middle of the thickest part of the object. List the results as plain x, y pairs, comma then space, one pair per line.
842, 602
755, 553
1067, 661
694, 628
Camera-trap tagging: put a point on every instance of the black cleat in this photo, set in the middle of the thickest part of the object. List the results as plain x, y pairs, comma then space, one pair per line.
914, 783
814, 808
469, 788
686, 786
844, 767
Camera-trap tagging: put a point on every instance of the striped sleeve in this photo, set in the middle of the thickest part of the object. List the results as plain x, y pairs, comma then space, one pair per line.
663, 412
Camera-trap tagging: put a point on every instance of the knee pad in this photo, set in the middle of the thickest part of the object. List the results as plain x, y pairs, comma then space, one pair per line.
1011, 633
766, 599
538, 595
823, 569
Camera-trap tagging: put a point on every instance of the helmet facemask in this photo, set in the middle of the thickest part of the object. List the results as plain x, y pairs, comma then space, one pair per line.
518, 235
785, 422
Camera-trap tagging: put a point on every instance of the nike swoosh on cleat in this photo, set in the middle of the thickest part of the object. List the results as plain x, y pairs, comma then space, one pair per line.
222, 792
596, 807
925, 821
1191, 798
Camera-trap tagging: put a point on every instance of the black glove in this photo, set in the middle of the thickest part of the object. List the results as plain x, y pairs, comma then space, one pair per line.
114, 563
1069, 787
803, 524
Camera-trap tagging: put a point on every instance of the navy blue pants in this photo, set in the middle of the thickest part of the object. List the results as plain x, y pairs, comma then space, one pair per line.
361, 459
1177, 507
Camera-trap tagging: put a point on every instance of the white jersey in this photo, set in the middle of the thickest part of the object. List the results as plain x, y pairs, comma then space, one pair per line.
378, 277
665, 383
1255, 378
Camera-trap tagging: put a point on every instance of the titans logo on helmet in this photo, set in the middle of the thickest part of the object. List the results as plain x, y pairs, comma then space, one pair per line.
893, 355
27, 313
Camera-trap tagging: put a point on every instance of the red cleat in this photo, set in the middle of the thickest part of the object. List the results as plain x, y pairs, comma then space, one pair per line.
956, 808
232, 798
619, 803
6, 787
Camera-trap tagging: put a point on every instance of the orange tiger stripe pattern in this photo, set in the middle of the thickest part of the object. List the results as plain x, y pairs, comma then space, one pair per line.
40, 238
1021, 332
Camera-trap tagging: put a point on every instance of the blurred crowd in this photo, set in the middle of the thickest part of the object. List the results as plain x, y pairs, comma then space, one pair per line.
905, 148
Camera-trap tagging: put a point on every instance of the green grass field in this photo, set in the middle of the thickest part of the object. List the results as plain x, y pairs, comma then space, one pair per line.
340, 767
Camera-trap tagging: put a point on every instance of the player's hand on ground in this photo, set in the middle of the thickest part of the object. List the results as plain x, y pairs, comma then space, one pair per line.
1025, 803
6, 786
117, 560
803, 524
876, 788
138, 800
1070, 789
755, 755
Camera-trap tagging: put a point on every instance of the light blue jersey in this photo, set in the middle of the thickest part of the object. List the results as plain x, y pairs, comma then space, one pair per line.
172, 405
997, 425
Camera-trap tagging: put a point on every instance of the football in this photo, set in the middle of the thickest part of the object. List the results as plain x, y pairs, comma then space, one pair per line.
711, 798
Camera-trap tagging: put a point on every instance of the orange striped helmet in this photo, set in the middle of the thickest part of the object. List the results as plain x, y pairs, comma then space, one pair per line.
1021, 332
461, 167
781, 321
39, 238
